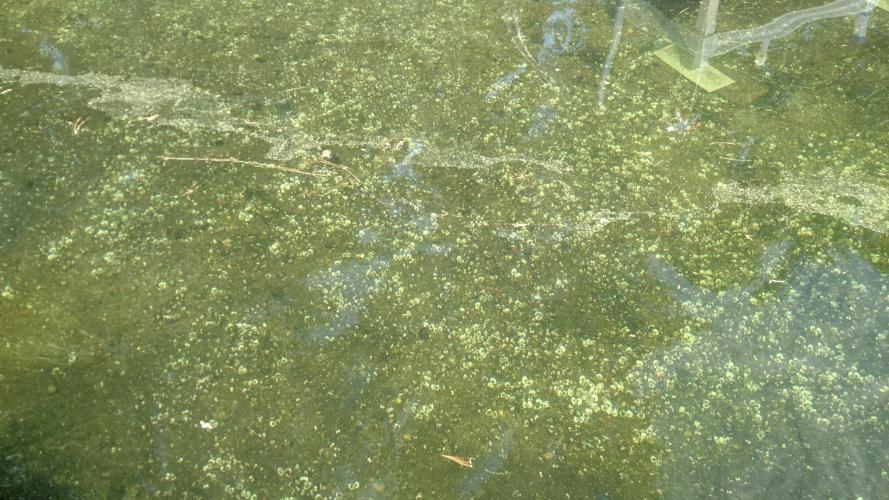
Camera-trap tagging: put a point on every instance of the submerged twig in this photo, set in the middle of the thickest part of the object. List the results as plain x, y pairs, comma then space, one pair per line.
604, 80
521, 39
255, 164
341, 167
523, 48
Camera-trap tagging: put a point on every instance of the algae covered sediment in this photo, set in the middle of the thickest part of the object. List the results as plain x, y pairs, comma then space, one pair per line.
418, 237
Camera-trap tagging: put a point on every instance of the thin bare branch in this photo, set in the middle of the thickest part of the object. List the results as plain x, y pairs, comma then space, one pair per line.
255, 164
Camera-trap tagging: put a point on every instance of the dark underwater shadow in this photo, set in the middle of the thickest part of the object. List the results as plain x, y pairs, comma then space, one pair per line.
17, 483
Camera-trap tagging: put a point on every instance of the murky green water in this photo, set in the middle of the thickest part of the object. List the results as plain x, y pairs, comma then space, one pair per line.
296, 249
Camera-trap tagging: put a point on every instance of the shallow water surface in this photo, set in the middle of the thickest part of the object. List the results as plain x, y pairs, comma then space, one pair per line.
307, 249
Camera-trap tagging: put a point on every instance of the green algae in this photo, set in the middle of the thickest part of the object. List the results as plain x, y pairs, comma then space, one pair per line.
480, 291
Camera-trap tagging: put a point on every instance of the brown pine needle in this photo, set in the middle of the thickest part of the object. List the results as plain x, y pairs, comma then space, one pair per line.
462, 462
255, 164
77, 125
